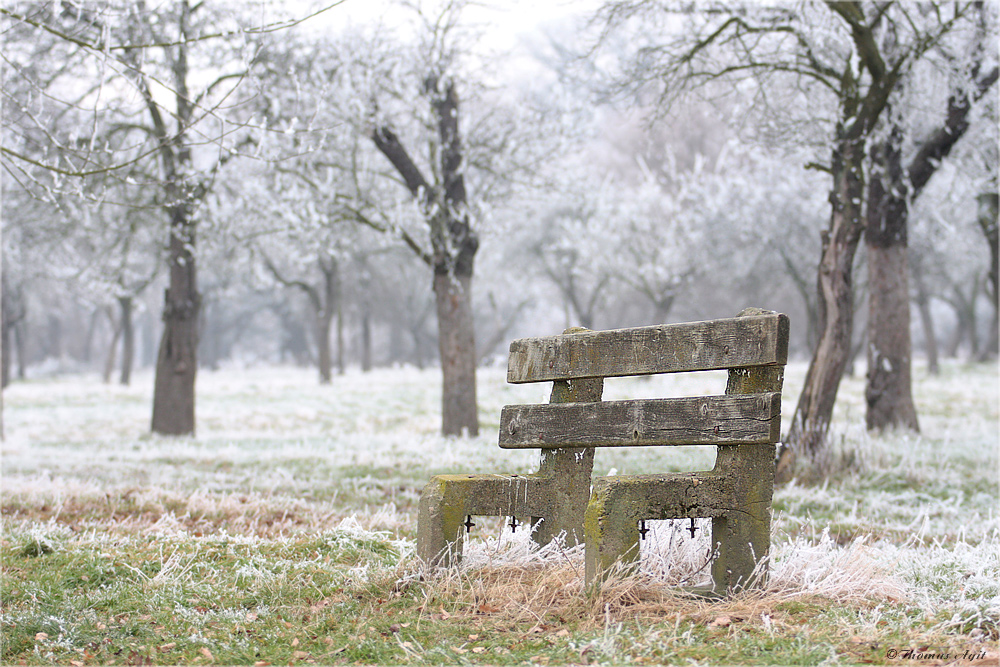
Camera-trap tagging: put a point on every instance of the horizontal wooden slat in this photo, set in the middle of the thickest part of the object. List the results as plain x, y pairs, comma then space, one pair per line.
703, 420
759, 340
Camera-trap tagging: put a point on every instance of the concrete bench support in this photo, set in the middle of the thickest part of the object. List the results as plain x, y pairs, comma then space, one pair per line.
554, 499
558, 500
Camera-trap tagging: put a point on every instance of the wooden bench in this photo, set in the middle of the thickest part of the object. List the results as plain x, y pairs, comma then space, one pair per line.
608, 512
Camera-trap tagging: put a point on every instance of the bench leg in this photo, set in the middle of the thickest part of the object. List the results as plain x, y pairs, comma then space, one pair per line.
742, 534
612, 533
742, 541
447, 500
439, 524
570, 471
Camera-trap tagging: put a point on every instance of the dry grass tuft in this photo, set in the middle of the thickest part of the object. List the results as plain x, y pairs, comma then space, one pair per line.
159, 511
511, 578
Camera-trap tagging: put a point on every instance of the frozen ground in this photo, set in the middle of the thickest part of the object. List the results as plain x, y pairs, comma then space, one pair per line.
903, 518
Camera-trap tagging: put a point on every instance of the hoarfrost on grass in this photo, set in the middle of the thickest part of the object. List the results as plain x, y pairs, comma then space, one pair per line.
903, 517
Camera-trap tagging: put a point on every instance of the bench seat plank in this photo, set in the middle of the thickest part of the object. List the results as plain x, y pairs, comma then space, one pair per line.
704, 420
759, 340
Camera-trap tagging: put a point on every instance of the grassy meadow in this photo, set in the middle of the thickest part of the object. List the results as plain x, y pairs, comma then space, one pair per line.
283, 533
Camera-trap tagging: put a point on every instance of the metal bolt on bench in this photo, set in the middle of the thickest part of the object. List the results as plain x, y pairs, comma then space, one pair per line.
610, 514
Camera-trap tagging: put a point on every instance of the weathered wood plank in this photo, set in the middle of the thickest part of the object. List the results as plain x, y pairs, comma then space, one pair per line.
703, 420
738, 342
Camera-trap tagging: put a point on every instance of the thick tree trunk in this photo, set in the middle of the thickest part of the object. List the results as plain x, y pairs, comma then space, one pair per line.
888, 392
457, 345
128, 340
177, 362
453, 248
814, 411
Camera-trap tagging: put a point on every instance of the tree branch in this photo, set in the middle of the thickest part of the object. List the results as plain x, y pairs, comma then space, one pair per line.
939, 144
389, 145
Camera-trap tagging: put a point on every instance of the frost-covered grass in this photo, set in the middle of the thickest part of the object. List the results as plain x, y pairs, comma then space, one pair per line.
283, 532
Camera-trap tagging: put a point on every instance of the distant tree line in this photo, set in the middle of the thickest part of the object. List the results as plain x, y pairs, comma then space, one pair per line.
374, 197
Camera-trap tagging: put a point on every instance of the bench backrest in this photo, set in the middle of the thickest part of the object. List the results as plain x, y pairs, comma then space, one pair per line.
746, 342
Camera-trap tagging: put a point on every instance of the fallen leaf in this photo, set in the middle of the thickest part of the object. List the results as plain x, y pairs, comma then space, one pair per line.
205, 652
41, 635
394, 628
406, 645
251, 616
488, 609
76, 663
101, 626
473, 638
721, 622
261, 663
167, 647
445, 615
458, 650
328, 641
563, 633
479, 649
299, 654
295, 642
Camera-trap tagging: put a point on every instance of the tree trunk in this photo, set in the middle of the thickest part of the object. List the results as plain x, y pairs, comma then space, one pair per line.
923, 301
340, 336
5, 334
128, 340
988, 206
323, 326
888, 392
366, 318
177, 362
814, 411
366, 339
453, 248
116, 334
54, 342
88, 339
457, 345
418, 346
20, 348
326, 307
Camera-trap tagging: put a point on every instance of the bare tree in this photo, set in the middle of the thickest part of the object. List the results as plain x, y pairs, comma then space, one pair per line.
892, 187
453, 249
125, 52
837, 55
